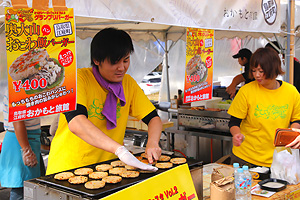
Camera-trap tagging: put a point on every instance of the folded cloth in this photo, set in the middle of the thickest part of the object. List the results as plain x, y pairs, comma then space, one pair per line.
115, 92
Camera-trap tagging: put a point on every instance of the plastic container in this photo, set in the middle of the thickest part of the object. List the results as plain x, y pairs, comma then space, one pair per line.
210, 103
240, 186
223, 106
236, 166
279, 184
248, 179
260, 173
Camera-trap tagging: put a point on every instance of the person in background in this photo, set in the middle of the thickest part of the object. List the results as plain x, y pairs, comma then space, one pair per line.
106, 96
20, 158
259, 108
279, 50
243, 57
54, 125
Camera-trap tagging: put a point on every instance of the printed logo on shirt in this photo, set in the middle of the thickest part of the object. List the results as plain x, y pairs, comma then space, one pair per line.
271, 112
95, 110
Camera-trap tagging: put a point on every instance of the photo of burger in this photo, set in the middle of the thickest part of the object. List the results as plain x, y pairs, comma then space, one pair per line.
36, 64
197, 67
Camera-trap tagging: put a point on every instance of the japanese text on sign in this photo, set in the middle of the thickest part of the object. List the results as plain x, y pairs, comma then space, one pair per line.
269, 9
51, 15
208, 42
23, 114
241, 13
42, 97
63, 29
16, 28
16, 44
171, 193
198, 97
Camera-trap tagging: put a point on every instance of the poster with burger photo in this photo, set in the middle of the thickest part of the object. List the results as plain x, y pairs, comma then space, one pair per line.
41, 62
199, 65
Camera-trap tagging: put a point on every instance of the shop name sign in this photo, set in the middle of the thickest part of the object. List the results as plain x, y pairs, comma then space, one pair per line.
254, 15
269, 9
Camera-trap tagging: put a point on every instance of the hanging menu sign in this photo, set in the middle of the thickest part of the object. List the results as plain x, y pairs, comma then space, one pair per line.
41, 62
199, 65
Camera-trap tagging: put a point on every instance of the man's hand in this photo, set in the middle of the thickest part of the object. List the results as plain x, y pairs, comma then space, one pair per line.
294, 144
29, 158
153, 151
231, 90
237, 139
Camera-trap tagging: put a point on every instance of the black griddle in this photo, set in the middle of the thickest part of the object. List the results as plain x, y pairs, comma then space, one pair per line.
109, 188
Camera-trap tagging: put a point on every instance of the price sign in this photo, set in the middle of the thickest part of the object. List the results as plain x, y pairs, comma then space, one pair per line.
173, 184
199, 65
41, 62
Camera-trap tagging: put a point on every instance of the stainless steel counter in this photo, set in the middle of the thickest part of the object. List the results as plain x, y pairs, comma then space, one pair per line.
34, 190
214, 114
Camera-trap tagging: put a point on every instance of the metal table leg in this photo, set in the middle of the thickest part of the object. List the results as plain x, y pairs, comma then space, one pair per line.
168, 141
173, 141
222, 151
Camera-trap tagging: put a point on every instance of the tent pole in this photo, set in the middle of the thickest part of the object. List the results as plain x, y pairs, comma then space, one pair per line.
290, 41
165, 63
167, 66
287, 53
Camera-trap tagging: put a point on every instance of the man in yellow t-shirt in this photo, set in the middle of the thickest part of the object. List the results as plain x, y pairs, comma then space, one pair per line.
106, 96
259, 108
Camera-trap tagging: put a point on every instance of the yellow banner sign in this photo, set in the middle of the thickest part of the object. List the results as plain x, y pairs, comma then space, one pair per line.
173, 184
294, 195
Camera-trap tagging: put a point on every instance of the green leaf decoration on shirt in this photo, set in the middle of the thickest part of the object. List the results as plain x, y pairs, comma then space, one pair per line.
271, 111
95, 110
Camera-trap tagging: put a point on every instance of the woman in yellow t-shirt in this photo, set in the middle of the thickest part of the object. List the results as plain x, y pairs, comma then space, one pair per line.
106, 96
259, 108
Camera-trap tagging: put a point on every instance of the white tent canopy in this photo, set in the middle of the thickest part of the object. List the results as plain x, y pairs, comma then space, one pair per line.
143, 18
235, 15
159, 15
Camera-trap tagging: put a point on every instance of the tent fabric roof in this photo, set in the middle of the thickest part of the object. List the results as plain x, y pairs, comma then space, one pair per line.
90, 20
88, 27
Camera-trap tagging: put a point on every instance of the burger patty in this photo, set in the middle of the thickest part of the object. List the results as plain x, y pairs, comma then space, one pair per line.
26, 64
50, 71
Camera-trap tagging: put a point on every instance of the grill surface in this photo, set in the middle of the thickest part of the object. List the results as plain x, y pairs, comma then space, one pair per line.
109, 188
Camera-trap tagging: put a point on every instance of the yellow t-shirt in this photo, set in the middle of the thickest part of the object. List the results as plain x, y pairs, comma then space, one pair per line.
263, 111
69, 151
